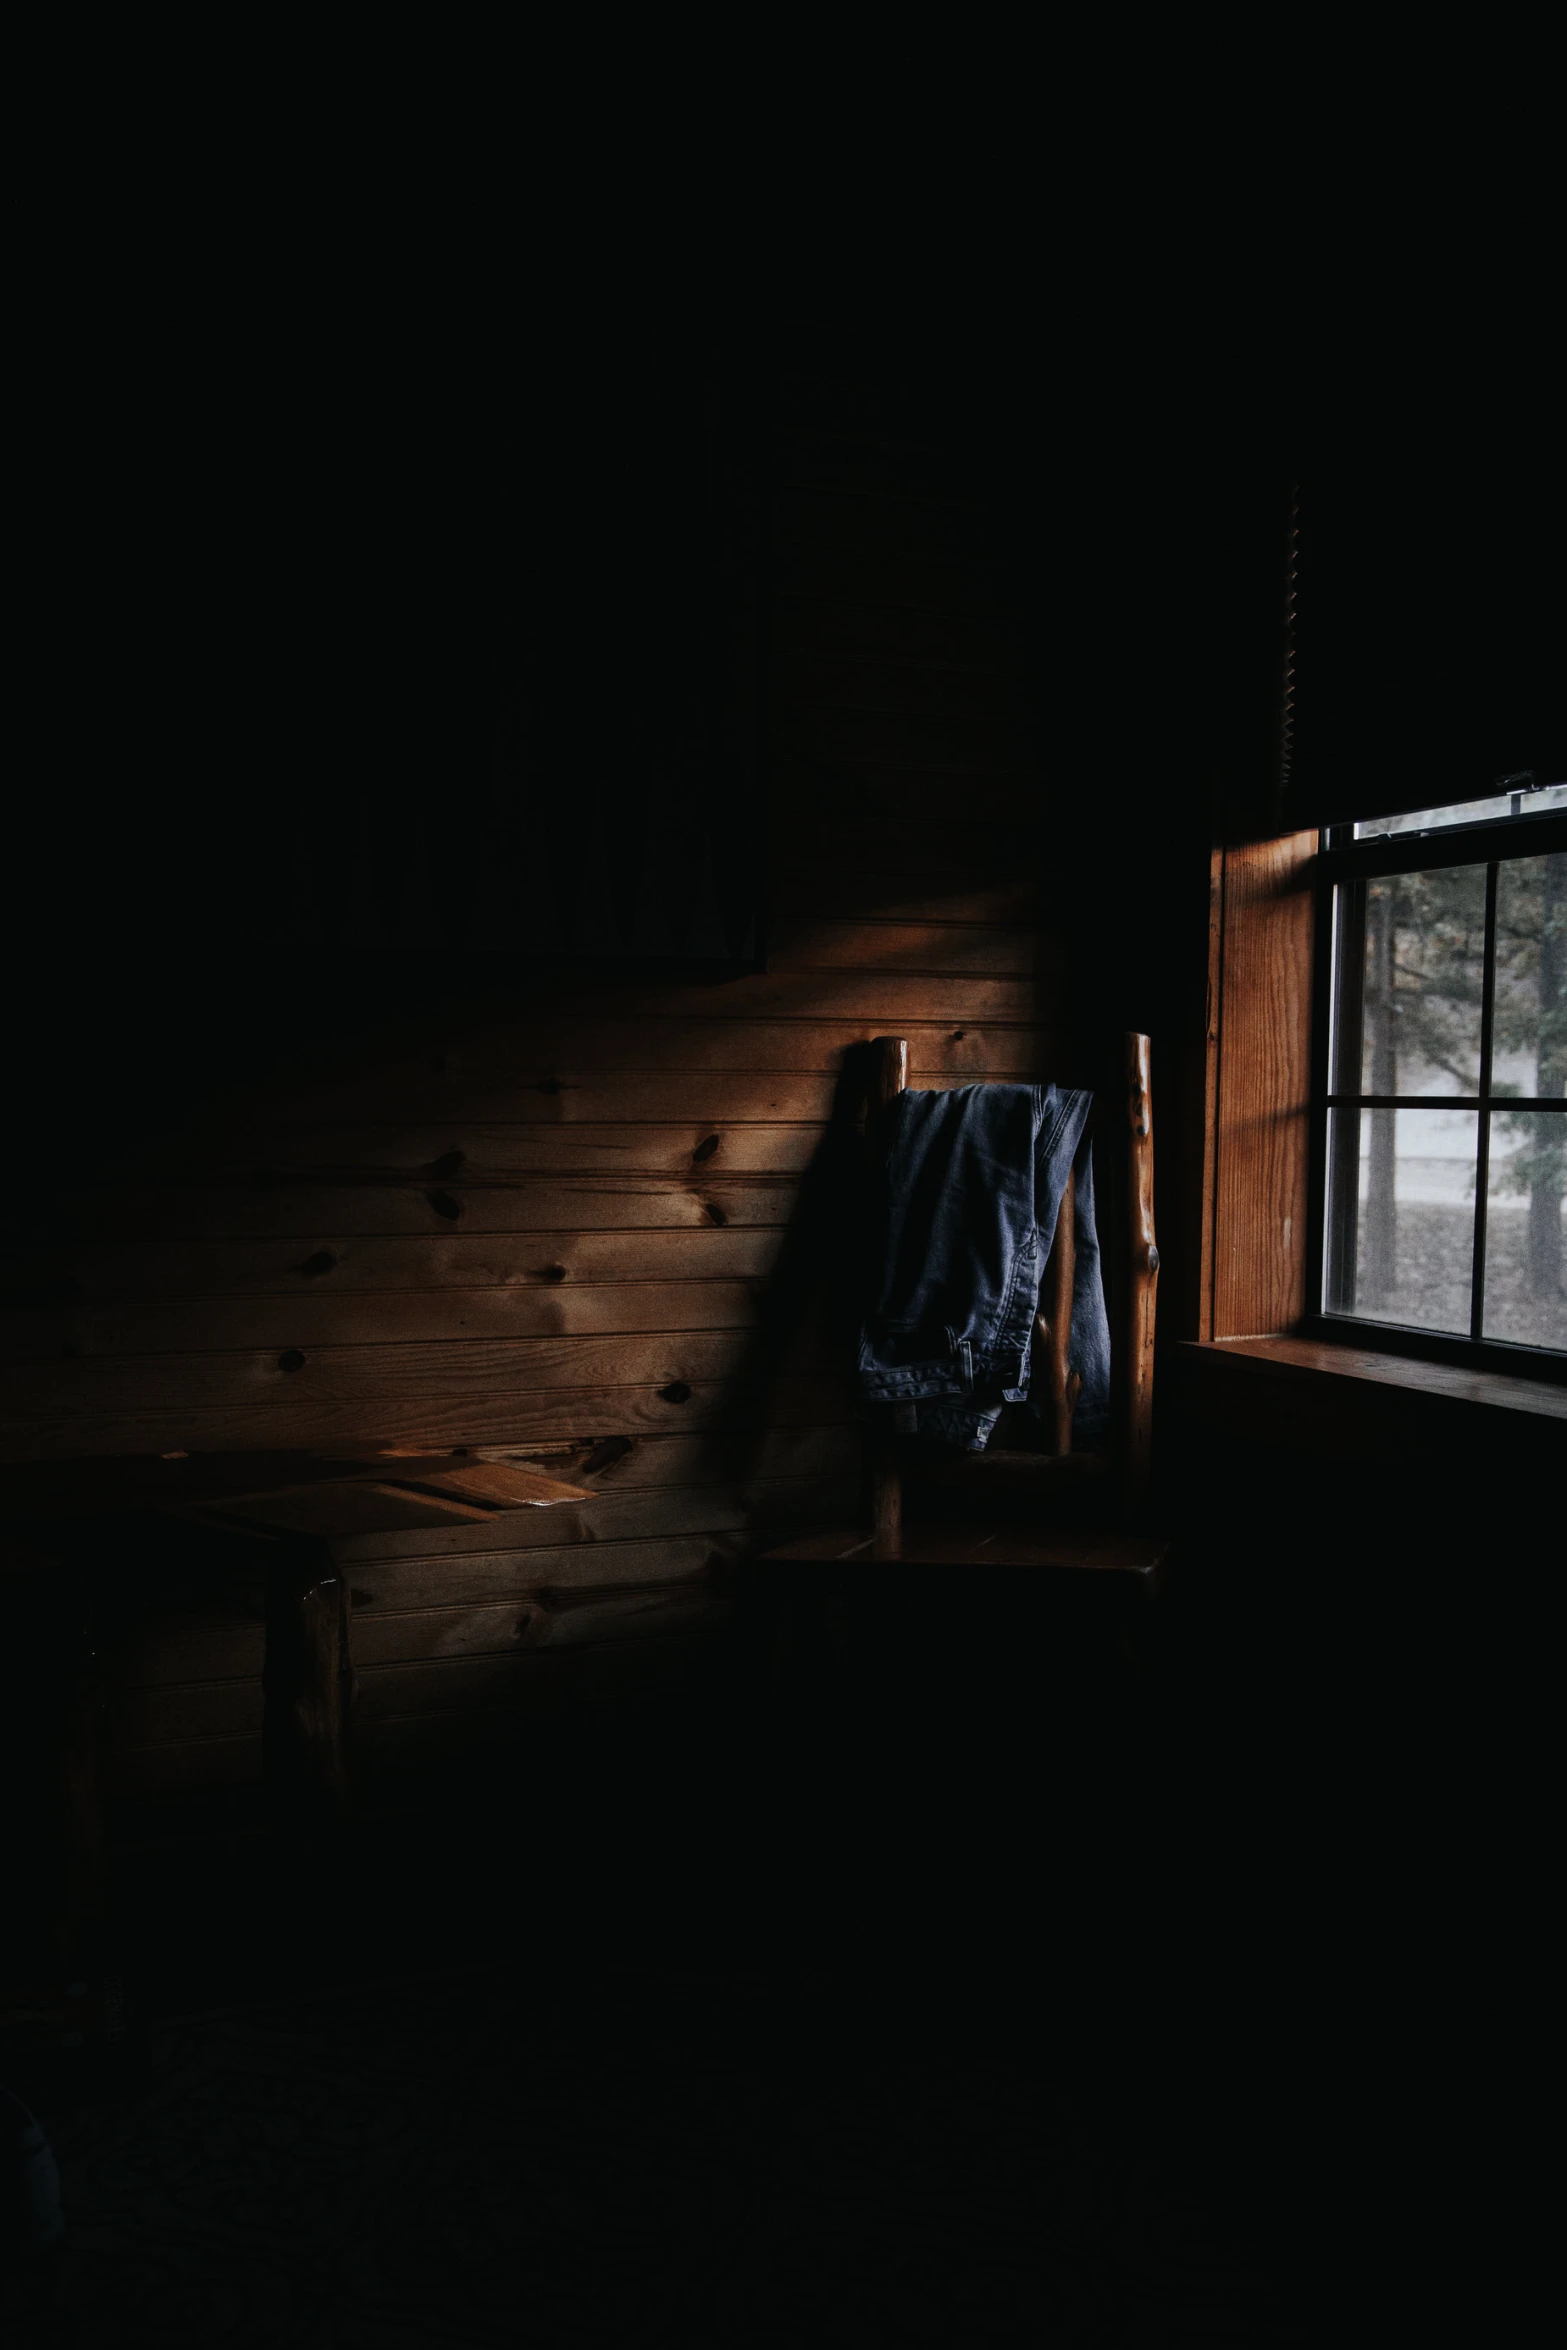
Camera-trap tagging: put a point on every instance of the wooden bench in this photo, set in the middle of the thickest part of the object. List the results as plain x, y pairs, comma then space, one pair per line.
294, 1507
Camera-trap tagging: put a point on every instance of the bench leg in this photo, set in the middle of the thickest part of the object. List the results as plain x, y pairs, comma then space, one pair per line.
308, 1687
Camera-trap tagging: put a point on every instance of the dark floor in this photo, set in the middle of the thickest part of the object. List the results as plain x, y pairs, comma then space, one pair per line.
953, 2015
649, 2157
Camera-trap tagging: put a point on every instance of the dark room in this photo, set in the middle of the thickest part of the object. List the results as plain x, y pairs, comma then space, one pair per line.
784, 1304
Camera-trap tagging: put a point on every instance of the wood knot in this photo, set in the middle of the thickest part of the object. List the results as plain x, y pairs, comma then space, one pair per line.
1153, 1260
533, 1624
704, 1150
676, 1392
548, 1085
604, 1455
713, 1212
553, 1273
444, 1168
444, 1205
291, 1360
321, 1262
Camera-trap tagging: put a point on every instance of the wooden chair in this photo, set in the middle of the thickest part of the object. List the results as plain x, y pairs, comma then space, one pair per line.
1008, 1499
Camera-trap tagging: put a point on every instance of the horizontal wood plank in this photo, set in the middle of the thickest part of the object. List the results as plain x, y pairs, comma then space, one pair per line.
383, 1374
611, 1520
462, 1065
333, 1264
560, 1620
538, 1690
558, 1095
936, 947
74, 1431
506, 1154
814, 895
311, 1318
882, 997
551, 1089
465, 1683
490, 1578
323, 1213
819, 825
704, 1458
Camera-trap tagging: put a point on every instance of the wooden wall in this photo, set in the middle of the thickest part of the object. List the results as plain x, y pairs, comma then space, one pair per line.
554, 1232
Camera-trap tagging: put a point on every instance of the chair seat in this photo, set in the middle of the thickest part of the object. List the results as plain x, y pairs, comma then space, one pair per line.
1094, 1549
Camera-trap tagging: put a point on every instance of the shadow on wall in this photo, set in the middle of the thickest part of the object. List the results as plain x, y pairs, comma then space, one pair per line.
821, 1267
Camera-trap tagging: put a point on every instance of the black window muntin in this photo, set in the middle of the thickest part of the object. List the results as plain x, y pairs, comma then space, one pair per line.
1488, 844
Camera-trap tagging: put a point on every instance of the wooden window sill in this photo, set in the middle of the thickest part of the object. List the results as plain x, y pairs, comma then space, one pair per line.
1295, 1358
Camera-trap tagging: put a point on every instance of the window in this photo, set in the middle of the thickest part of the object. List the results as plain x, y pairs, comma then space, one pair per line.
1441, 1138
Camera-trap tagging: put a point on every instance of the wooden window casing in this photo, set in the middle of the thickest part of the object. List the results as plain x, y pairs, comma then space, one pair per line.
1266, 1086
1257, 1124
1486, 844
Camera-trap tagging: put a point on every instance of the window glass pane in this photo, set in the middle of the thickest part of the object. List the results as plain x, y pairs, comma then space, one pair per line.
1525, 1260
1529, 1049
1533, 800
1401, 1215
1409, 974
1347, 1011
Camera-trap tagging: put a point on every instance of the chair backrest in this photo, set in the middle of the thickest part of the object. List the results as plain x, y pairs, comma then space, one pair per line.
1136, 1257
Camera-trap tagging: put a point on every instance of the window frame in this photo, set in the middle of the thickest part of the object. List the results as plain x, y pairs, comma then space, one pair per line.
1440, 846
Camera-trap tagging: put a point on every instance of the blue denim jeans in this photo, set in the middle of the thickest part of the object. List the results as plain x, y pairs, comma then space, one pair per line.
967, 1188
